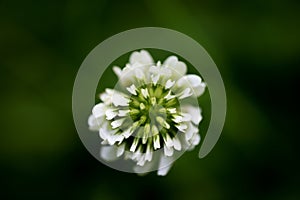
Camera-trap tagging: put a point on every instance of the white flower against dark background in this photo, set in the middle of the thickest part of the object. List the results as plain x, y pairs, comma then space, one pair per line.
151, 113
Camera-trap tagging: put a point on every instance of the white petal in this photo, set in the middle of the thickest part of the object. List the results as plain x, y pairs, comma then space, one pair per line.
181, 127
177, 144
193, 81
118, 138
106, 98
166, 72
110, 113
109, 91
103, 134
128, 155
158, 63
132, 89
184, 143
169, 84
195, 112
104, 142
165, 165
155, 78
119, 100
190, 131
117, 71
145, 92
99, 110
172, 110
142, 57
134, 144
93, 124
199, 90
117, 123
127, 133
168, 150
137, 155
178, 67
149, 154
171, 60
177, 119
111, 140
156, 142
168, 141
141, 160
186, 117
126, 77
160, 70
187, 92
120, 150
146, 134
154, 70
106, 133
139, 73
195, 139
123, 113
108, 153
169, 96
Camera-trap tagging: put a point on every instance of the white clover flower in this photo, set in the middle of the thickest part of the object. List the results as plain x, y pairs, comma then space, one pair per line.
151, 113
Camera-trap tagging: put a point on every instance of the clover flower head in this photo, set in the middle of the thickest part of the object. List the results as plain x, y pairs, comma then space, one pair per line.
149, 118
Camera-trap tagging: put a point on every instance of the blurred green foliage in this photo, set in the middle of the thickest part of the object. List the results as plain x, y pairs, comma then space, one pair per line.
256, 46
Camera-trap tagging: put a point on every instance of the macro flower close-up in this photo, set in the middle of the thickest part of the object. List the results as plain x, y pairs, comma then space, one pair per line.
151, 115
150, 99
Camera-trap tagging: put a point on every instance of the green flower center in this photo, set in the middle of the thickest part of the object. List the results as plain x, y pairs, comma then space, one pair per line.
150, 114
152, 108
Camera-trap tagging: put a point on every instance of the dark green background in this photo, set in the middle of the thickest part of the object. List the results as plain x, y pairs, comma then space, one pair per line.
256, 46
